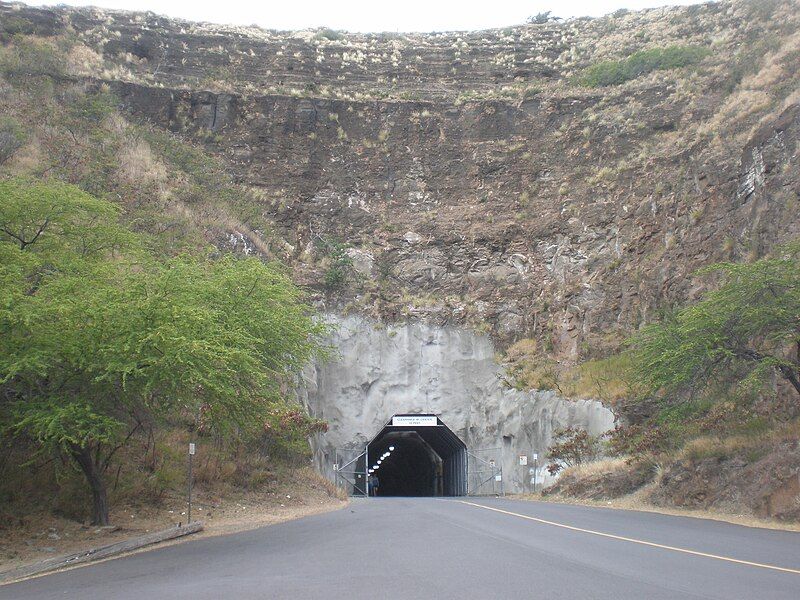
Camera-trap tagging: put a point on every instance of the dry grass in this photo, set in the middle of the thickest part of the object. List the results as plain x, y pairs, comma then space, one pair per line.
793, 98
740, 105
705, 447
138, 165
698, 448
718, 446
756, 94
638, 502
83, 61
530, 367
27, 159
596, 467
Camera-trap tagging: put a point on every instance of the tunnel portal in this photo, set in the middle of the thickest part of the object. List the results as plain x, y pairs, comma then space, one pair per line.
417, 455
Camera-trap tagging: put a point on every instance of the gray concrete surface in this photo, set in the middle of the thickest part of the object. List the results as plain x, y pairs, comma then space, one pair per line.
416, 367
442, 548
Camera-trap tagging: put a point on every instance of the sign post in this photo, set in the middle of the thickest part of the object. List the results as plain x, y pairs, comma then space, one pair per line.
191, 454
535, 468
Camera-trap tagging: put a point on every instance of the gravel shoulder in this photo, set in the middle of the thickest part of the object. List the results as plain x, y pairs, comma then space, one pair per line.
636, 502
33, 537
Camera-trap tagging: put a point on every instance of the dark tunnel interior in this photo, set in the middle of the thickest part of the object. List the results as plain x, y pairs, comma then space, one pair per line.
411, 469
417, 461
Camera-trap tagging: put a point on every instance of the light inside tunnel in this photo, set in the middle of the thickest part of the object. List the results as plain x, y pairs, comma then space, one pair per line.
418, 460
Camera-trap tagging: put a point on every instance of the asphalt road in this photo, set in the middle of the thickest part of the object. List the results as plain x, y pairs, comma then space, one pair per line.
445, 548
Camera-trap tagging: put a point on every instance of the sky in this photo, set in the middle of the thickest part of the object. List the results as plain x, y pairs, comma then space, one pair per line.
371, 15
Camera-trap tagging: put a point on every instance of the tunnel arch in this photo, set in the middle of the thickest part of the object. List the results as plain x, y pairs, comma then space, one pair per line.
419, 456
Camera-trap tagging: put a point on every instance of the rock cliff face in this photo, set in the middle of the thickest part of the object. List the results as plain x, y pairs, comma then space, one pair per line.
474, 177
416, 367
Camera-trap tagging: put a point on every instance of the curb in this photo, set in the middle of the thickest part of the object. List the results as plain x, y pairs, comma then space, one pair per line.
87, 556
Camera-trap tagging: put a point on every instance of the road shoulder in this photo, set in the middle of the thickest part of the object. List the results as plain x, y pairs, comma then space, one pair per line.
633, 503
245, 518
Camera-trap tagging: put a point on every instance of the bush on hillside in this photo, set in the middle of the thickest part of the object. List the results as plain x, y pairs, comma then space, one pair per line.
12, 136
615, 72
30, 58
571, 446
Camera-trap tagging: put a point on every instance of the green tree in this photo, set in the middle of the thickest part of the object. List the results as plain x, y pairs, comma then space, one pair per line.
745, 331
97, 336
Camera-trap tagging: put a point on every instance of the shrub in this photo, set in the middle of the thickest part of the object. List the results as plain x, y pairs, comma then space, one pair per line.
29, 58
571, 446
93, 107
12, 136
638, 441
326, 33
640, 63
339, 265
742, 332
540, 18
12, 26
287, 430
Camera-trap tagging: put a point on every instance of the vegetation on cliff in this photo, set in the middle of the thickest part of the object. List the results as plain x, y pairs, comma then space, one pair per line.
123, 332
99, 336
728, 363
615, 72
740, 331
712, 388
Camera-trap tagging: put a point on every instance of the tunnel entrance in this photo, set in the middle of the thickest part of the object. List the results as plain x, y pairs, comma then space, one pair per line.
416, 455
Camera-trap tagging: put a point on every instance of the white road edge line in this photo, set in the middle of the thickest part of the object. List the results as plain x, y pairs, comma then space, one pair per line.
635, 541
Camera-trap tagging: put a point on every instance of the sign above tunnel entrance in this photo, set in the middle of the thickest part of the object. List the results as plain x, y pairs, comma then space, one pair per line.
414, 421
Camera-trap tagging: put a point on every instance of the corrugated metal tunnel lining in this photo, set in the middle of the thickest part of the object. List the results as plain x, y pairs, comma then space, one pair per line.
419, 456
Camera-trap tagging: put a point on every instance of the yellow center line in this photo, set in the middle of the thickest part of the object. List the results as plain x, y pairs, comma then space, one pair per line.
635, 541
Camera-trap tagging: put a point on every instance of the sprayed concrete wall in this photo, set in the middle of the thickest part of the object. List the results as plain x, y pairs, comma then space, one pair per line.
382, 370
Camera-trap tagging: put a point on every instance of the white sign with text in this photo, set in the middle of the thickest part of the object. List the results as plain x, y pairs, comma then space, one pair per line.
415, 421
